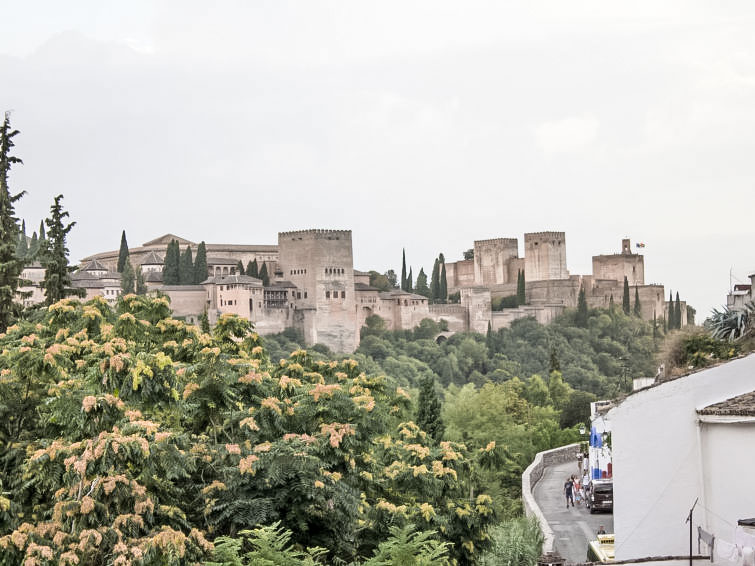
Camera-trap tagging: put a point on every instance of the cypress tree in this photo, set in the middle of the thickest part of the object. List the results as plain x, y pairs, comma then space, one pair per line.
610, 303
428, 409
520, 288
677, 312
204, 322
637, 307
443, 284
22, 248
172, 259
625, 300
42, 236
435, 282
57, 281
421, 287
123, 254
200, 263
254, 270
403, 269
141, 285
33, 246
409, 281
186, 268
655, 327
128, 278
239, 268
489, 342
10, 265
671, 318
264, 276
581, 317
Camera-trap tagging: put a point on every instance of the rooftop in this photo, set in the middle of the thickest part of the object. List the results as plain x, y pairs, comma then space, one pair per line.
741, 405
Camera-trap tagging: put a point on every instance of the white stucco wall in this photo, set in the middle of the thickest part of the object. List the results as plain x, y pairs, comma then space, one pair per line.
658, 461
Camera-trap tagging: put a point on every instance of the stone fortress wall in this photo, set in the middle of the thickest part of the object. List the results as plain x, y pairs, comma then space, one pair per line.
315, 288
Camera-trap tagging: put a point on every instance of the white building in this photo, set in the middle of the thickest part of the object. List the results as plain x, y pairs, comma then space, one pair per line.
688, 438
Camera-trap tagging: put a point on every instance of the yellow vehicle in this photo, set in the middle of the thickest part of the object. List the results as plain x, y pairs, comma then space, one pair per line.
601, 550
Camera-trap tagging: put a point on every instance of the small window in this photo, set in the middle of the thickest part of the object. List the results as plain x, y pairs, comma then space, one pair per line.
327, 294
305, 294
343, 294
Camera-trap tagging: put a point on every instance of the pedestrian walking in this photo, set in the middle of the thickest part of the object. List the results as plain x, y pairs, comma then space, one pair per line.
577, 492
569, 491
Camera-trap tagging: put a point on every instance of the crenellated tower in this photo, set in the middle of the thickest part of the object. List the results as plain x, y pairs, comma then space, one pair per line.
545, 256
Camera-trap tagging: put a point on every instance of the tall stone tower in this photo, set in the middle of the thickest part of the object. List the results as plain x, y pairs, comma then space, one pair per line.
321, 265
491, 258
545, 256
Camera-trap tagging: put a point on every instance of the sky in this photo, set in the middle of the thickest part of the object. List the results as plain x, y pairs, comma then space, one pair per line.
417, 125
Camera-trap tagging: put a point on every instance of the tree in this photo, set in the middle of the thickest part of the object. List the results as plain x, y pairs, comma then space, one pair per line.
610, 303
141, 285
409, 281
128, 278
186, 268
392, 279
204, 322
264, 276
577, 409
403, 270
435, 282
123, 253
171, 268
637, 306
57, 281
443, 284
625, 300
520, 288
677, 312
253, 269
22, 249
200, 264
33, 247
421, 288
690, 316
10, 264
379, 281
580, 318
42, 236
428, 409
469, 254
240, 268
671, 318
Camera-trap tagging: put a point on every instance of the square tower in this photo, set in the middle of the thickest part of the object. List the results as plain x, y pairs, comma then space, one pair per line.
321, 265
545, 256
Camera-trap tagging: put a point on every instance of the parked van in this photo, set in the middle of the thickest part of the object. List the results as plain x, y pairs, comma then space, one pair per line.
600, 496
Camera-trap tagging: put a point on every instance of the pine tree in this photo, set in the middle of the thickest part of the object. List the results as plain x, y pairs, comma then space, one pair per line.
671, 318
186, 268
22, 248
421, 287
128, 278
443, 284
264, 276
677, 312
141, 285
403, 270
581, 317
57, 281
200, 264
637, 306
254, 270
10, 265
428, 409
520, 288
123, 253
172, 259
409, 281
435, 282
625, 300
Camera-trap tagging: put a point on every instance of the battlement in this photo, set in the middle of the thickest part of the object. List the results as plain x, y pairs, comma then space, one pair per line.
501, 241
314, 232
544, 235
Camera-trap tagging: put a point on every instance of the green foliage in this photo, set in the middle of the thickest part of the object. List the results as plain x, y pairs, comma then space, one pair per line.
200, 264
22, 249
409, 281
263, 275
508, 302
408, 548
732, 324
122, 253
141, 285
443, 296
671, 318
10, 264
186, 273
57, 280
637, 311
171, 267
516, 542
625, 297
576, 409
204, 322
403, 270
128, 278
469, 254
379, 281
252, 269
390, 275
240, 268
421, 287
695, 347
520, 288
428, 409
677, 312
580, 319
435, 282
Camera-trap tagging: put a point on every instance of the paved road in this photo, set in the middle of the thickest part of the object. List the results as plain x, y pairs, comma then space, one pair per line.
572, 527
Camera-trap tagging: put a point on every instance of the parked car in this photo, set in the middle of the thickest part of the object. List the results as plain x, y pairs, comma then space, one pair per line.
600, 496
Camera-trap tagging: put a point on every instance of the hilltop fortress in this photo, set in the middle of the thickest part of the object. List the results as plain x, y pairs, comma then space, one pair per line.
316, 289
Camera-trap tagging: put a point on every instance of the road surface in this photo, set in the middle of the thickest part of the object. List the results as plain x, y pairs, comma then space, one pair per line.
572, 527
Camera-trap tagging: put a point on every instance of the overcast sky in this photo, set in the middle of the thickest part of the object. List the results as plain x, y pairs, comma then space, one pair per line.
423, 125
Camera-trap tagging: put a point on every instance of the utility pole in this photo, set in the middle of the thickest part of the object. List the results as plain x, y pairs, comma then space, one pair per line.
689, 520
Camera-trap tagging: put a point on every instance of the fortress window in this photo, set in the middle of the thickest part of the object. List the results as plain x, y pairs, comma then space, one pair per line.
327, 294
343, 294
305, 294
298, 295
